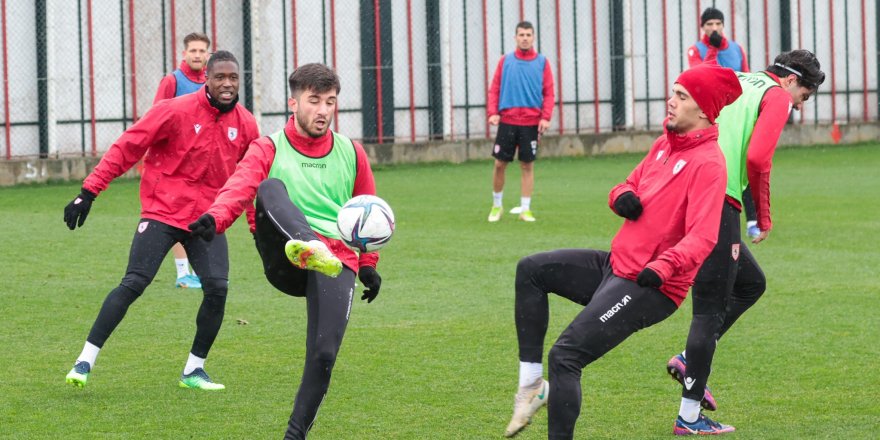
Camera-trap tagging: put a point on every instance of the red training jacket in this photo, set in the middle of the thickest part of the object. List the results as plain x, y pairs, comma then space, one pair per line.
241, 189
524, 116
191, 149
681, 184
168, 85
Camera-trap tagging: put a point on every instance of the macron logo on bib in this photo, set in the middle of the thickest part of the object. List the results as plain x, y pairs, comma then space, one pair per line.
197, 127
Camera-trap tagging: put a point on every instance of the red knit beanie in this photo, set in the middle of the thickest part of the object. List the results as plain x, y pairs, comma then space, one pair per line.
712, 87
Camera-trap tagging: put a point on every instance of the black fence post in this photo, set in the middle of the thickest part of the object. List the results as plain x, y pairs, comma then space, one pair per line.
248, 55
618, 74
370, 76
785, 25
435, 70
42, 77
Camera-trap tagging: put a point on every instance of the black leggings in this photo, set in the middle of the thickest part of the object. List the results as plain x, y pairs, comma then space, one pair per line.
328, 299
614, 309
728, 283
151, 243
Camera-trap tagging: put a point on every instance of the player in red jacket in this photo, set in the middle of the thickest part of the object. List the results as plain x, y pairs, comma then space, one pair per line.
192, 145
298, 178
672, 205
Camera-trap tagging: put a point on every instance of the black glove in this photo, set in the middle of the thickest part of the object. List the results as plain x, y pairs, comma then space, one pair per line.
649, 278
371, 281
628, 205
76, 211
205, 227
715, 39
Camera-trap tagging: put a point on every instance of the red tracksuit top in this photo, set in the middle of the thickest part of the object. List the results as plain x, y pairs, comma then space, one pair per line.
524, 116
239, 192
681, 184
168, 85
191, 149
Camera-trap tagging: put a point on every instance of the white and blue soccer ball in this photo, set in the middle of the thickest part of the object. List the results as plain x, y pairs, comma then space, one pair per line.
365, 223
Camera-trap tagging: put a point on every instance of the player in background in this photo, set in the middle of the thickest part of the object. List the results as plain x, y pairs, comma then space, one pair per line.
730, 280
520, 103
187, 78
301, 176
732, 55
672, 205
192, 144
729, 53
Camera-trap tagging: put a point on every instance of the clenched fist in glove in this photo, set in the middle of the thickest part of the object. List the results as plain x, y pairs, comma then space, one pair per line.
649, 278
205, 227
715, 39
628, 206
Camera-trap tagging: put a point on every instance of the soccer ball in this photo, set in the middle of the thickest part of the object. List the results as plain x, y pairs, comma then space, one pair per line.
365, 223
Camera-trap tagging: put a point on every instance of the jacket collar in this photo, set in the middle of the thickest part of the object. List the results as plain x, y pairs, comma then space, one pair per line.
691, 139
203, 101
305, 143
527, 55
194, 76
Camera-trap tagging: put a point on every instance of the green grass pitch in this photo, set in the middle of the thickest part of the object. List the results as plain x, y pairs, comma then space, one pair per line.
434, 357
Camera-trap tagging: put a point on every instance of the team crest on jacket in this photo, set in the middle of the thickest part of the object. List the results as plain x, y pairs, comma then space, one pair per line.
678, 166
734, 251
232, 132
142, 226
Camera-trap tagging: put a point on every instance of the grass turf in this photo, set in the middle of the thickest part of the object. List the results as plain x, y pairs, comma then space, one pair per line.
434, 357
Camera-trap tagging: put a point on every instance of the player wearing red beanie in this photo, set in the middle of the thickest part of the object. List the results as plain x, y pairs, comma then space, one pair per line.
671, 203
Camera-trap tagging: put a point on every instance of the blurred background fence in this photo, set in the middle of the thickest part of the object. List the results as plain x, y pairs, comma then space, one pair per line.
76, 73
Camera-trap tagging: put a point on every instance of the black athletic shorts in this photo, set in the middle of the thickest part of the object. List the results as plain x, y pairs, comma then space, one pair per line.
513, 137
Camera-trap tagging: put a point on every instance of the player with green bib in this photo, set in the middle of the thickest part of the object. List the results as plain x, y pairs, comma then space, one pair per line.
730, 280
300, 177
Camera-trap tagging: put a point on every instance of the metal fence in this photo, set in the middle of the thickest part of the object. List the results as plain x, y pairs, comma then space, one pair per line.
78, 72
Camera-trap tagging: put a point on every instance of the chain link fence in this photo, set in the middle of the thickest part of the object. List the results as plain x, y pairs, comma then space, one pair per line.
77, 73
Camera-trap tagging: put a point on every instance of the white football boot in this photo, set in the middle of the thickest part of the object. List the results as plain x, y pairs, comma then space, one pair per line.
526, 403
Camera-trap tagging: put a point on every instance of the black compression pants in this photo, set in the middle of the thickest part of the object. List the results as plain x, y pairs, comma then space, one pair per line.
614, 309
152, 241
328, 299
728, 283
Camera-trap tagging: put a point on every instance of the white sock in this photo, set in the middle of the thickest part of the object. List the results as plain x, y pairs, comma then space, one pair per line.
529, 373
192, 363
89, 354
524, 202
497, 197
182, 265
689, 410
751, 223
